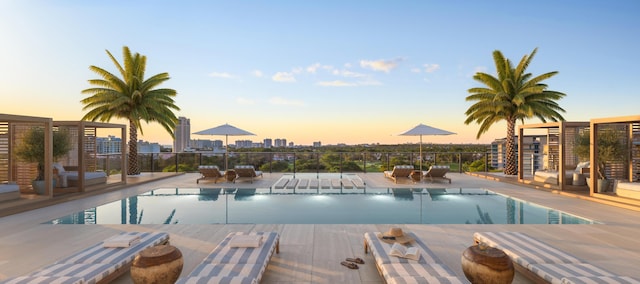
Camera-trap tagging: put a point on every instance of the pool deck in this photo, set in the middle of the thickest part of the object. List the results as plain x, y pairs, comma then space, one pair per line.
312, 253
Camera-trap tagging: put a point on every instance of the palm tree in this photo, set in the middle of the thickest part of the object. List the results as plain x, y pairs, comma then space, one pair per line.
514, 95
130, 97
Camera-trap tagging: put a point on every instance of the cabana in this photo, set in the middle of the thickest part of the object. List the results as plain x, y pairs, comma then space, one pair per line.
624, 170
83, 160
559, 160
16, 172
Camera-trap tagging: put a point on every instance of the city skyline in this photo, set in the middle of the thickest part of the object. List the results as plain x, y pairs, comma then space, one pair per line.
330, 71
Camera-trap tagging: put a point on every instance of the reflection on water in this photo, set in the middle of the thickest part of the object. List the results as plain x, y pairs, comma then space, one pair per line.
261, 206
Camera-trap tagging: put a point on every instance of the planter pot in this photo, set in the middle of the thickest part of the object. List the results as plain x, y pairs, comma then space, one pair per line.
39, 187
603, 184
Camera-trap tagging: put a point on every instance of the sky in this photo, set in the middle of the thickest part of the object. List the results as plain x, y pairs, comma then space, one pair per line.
351, 72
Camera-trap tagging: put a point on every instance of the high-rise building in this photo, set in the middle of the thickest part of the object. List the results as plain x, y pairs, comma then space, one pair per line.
182, 135
268, 143
280, 142
109, 145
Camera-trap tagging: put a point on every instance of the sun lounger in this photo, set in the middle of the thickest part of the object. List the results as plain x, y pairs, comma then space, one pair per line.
437, 172
281, 183
96, 264
210, 172
242, 263
544, 263
428, 269
246, 172
399, 171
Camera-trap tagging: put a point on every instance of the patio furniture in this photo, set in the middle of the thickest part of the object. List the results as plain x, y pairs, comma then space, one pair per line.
67, 176
544, 263
437, 172
96, 264
9, 191
246, 171
427, 269
240, 258
399, 171
209, 172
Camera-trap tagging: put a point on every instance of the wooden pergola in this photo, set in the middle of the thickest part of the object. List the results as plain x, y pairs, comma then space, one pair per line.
559, 137
84, 152
12, 127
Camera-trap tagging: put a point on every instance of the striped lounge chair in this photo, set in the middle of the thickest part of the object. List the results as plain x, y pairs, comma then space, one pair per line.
545, 264
246, 171
399, 171
395, 270
95, 264
241, 265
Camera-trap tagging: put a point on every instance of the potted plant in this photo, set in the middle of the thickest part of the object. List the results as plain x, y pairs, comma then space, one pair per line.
32, 150
610, 149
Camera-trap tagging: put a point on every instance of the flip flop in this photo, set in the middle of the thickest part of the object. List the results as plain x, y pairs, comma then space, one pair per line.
356, 260
350, 265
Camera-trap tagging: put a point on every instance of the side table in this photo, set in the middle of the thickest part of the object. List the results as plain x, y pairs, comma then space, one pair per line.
483, 264
159, 265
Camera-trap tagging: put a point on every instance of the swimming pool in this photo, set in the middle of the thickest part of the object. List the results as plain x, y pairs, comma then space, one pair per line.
367, 206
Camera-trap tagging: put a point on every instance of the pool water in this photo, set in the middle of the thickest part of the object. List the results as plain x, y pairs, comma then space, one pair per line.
265, 206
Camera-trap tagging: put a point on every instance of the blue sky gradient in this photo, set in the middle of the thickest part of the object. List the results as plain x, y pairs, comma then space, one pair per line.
331, 71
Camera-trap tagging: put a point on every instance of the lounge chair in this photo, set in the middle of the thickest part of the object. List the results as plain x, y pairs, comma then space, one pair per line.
544, 263
96, 264
437, 172
246, 172
399, 171
210, 172
231, 264
428, 269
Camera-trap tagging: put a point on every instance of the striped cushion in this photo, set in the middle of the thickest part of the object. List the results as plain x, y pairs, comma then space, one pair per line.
599, 280
44, 280
553, 272
380, 250
235, 265
117, 256
223, 253
428, 269
424, 279
523, 249
392, 270
218, 280
91, 273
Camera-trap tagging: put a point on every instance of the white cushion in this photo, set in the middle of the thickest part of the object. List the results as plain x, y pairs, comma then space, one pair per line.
58, 167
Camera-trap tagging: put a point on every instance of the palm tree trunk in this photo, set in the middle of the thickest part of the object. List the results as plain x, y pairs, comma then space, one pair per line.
511, 168
133, 150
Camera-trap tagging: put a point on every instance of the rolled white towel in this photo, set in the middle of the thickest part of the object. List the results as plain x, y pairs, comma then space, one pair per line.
121, 241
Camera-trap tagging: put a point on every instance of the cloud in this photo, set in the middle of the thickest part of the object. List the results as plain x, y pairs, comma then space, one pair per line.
223, 75
430, 68
284, 77
244, 101
348, 74
313, 68
380, 65
336, 83
282, 101
257, 73
416, 70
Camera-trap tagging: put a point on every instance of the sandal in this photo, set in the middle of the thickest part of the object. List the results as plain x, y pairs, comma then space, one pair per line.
356, 260
350, 265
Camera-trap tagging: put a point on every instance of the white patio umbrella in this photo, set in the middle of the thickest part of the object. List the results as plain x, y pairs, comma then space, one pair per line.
226, 130
422, 129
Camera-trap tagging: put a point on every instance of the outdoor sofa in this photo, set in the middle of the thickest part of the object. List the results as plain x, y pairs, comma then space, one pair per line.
9, 191
67, 176
628, 189
551, 177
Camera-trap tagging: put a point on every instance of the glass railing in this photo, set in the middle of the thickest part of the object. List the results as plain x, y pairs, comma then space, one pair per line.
301, 162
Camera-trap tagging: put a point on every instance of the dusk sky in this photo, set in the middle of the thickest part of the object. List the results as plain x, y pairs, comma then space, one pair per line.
331, 71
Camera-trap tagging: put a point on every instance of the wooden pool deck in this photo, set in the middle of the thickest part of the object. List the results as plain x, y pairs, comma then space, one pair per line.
311, 253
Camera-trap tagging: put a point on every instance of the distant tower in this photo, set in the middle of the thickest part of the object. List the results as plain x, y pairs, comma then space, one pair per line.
182, 134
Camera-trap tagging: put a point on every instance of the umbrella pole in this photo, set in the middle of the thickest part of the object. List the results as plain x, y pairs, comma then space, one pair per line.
420, 157
226, 152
